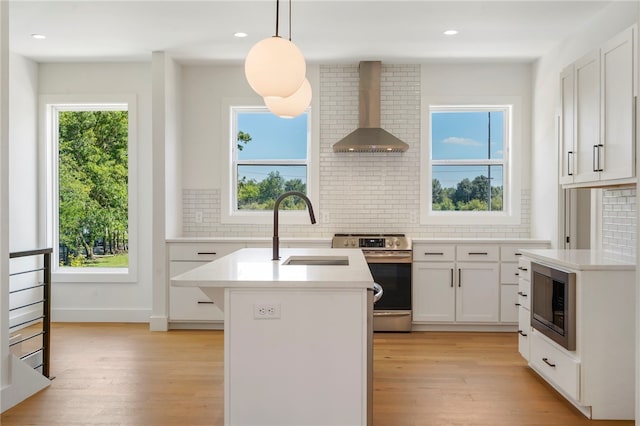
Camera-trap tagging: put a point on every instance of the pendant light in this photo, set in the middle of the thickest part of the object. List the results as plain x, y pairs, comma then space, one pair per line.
293, 105
275, 68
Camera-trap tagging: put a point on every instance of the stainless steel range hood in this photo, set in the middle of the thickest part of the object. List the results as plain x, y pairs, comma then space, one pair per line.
370, 137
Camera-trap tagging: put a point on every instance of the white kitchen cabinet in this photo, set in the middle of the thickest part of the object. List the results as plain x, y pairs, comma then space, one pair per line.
478, 292
434, 292
510, 272
524, 307
597, 377
566, 125
597, 121
472, 284
188, 304
618, 91
508, 303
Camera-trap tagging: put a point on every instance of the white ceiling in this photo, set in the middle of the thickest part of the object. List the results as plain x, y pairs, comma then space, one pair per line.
325, 30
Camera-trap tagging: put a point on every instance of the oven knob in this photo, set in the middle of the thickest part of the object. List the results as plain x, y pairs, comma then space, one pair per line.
396, 243
346, 243
353, 243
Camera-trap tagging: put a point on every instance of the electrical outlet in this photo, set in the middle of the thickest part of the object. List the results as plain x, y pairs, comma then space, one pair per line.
413, 217
324, 217
266, 311
199, 217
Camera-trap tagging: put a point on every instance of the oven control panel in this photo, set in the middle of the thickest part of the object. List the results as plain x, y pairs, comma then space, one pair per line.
372, 242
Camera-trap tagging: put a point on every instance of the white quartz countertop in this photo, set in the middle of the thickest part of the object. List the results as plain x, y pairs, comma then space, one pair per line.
253, 267
582, 259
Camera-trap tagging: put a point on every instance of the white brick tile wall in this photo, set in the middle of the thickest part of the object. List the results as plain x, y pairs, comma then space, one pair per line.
359, 192
619, 221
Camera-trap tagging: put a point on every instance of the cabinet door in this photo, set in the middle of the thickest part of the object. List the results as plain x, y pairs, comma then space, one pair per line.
566, 129
587, 117
433, 291
617, 83
508, 303
478, 292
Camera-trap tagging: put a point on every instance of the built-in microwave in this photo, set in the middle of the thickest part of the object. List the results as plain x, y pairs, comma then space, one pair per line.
553, 304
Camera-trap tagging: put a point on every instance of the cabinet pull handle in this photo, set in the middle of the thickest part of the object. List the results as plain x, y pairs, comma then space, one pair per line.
478, 253
459, 277
522, 269
451, 277
600, 165
426, 253
207, 252
201, 302
546, 361
517, 274
595, 161
522, 294
517, 304
517, 254
522, 333
570, 163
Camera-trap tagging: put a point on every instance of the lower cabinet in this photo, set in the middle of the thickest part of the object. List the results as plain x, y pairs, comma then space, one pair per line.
190, 304
468, 282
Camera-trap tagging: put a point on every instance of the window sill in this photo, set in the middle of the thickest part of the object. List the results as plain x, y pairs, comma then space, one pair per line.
93, 275
286, 217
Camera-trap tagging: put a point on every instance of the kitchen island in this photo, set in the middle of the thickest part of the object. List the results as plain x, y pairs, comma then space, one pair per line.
297, 335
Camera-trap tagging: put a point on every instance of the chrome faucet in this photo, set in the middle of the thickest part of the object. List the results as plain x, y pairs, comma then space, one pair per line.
276, 240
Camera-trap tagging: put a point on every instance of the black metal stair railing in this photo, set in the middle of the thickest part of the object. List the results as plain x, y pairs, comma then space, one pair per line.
40, 297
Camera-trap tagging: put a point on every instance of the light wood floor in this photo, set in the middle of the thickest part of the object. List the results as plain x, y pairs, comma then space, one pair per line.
122, 374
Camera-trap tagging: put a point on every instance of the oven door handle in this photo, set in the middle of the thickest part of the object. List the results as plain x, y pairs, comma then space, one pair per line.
385, 258
378, 292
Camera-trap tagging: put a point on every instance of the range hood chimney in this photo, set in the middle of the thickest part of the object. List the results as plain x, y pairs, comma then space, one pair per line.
369, 137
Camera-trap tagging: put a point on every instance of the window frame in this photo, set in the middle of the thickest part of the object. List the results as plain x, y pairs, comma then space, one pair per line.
50, 105
510, 213
229, 212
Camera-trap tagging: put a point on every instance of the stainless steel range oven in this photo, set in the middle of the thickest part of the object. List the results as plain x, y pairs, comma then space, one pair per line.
389, 257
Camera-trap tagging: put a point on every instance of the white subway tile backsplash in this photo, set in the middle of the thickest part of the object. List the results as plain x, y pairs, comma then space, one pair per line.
619, 221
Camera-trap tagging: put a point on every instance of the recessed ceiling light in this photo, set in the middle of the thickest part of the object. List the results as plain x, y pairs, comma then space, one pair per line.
38, 36
240, 34
450, 32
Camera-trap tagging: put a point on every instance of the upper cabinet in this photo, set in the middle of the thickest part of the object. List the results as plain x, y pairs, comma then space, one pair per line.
597, 121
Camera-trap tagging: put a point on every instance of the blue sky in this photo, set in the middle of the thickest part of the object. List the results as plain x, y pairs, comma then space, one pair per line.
273, 138
464, 136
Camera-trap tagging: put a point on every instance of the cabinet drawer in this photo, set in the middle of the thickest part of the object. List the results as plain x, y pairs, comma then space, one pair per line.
555, 364
524, 332
511, 253
191, 304
509, 273
524, 294
477, 253
201, 251
524, 269
433, 253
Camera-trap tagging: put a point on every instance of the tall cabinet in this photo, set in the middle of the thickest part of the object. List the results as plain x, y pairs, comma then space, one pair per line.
597, 121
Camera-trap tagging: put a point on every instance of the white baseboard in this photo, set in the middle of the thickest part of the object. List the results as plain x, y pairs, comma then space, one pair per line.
100, 315
158, 323
465, 327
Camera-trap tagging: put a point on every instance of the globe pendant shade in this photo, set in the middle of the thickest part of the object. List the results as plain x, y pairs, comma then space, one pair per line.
275, 68
293, 105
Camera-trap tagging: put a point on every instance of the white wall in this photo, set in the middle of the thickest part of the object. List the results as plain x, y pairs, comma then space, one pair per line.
546, 98
111, 301
23, 155
359, 192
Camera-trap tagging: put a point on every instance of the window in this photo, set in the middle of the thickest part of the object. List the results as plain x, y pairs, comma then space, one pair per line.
469, 175
88, 187
269, 156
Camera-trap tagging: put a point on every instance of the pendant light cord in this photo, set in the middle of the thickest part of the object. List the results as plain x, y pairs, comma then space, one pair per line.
289, 20
277, 15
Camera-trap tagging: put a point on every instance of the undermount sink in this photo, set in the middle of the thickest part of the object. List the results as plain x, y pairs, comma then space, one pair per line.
317, 260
